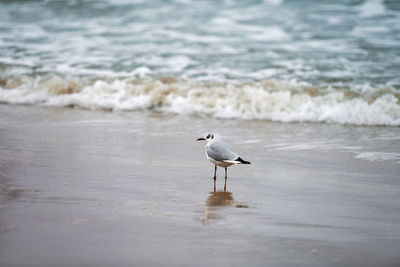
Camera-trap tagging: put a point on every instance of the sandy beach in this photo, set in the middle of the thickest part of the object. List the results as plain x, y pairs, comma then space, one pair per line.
95, 188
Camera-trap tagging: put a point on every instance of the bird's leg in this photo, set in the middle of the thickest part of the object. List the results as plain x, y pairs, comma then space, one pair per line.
226, 172
215, 178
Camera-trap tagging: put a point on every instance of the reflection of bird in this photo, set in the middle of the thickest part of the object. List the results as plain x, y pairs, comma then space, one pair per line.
220, 199
220, 154
214, 202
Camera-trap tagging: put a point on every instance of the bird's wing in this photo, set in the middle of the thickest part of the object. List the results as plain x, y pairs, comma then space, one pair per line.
219, 151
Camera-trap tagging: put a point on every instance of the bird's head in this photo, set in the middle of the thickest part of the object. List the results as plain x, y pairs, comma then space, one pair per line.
209, 137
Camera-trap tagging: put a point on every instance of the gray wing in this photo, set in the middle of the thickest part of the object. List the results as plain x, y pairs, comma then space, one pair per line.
219, 151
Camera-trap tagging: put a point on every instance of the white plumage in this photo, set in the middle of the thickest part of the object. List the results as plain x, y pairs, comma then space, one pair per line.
220, 154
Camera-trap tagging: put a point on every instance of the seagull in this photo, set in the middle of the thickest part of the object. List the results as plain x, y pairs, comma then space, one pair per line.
220, 154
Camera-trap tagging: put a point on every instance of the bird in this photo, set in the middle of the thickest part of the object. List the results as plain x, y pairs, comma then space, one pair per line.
220, 154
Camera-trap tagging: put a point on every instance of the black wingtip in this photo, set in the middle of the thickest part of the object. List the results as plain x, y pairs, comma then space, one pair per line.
243, 161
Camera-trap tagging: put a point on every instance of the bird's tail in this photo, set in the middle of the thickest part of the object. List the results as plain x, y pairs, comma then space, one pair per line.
242, 161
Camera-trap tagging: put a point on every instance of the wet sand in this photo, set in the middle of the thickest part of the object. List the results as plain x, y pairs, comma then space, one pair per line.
94, 188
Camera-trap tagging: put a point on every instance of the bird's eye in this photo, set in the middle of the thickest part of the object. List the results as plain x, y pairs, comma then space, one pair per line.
212, 136
208, 136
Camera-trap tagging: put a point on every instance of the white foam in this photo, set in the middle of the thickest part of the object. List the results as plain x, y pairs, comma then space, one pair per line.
372, 8
172, 64
191, 37
269, 100
263, 74
267, 33
377, 156
316, 145
273, 2
140, 72
251, 31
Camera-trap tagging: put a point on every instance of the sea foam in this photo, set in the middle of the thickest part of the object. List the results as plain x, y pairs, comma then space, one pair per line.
377, 156
262, 100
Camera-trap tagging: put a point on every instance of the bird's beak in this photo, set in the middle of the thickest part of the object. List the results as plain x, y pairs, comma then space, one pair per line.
200, 139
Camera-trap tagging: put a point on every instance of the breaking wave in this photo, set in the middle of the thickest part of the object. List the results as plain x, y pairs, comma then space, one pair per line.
262, 100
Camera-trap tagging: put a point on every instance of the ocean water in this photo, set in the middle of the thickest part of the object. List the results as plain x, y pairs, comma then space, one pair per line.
280, 60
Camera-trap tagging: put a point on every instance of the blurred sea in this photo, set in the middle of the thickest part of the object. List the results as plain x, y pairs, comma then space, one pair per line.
280, 60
